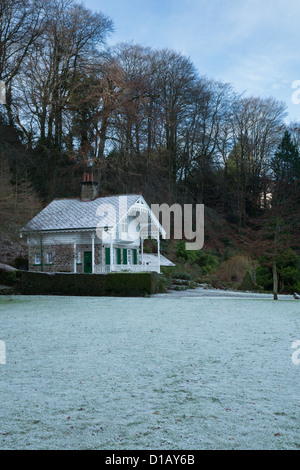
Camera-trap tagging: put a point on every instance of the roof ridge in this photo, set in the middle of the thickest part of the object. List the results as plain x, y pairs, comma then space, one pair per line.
98, 197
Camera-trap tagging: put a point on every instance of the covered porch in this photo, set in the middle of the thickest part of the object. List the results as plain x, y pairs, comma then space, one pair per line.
117, 256
120, 258
120, 246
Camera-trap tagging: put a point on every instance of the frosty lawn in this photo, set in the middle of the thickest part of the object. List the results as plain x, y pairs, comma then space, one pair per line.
165, 372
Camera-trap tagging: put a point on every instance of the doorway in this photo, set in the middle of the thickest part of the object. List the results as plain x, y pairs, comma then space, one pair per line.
87, 260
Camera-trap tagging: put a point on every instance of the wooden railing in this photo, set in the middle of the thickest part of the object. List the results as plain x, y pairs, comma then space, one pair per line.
135, 268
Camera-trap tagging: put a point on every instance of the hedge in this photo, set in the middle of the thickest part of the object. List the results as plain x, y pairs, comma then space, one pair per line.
113, 284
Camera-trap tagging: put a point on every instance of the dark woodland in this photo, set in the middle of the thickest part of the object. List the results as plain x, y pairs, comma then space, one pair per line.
145, 121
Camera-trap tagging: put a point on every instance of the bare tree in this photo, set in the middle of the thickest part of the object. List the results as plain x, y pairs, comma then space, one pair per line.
256, 128
20, 26
72, 37
207, 118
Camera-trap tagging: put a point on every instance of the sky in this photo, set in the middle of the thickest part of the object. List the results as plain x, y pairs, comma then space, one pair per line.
252, 44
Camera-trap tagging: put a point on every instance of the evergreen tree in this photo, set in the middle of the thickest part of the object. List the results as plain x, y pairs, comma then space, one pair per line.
286, 162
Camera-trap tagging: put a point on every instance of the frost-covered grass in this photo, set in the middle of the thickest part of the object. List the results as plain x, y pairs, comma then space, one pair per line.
166, 372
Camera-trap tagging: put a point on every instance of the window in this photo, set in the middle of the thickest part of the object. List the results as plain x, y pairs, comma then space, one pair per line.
78, 257
125, 257
49, 258
37, 258
129, 258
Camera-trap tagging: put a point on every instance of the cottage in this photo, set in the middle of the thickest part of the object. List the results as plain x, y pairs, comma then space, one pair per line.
93, 234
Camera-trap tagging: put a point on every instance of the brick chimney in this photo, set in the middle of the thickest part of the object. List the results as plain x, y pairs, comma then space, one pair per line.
89, 188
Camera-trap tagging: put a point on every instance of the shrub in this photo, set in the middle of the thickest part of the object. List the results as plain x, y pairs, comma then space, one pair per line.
182, 253
288, 266
264, 277
297, 287
247, 283
128, 284
21, 263
206, 261
289, 270
9, 277
234, 269
181, 275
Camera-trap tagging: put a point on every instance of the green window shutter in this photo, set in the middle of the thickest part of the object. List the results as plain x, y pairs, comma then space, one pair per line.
107, 256
135, 256
124, 255
118, 255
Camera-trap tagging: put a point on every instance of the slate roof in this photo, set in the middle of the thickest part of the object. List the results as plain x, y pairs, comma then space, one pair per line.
72, 214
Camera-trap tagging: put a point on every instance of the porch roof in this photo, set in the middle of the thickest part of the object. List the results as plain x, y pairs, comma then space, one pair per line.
151, 260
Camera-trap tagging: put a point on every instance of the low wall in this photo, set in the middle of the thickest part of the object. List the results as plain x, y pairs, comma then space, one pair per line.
113, 284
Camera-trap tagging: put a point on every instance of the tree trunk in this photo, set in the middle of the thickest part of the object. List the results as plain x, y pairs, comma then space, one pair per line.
275, 281
102, 135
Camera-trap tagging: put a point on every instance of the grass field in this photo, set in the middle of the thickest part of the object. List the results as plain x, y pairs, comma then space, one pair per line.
166, 372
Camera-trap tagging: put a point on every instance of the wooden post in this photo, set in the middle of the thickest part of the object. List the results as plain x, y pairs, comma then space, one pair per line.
42, 254
93, 253
158, 252
275, 280
75, 258
111, 253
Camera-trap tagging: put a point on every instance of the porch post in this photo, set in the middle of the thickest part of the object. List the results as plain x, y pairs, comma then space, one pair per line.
42, 254
75, 260
158, 252
93, 253
142, 250
111, 252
